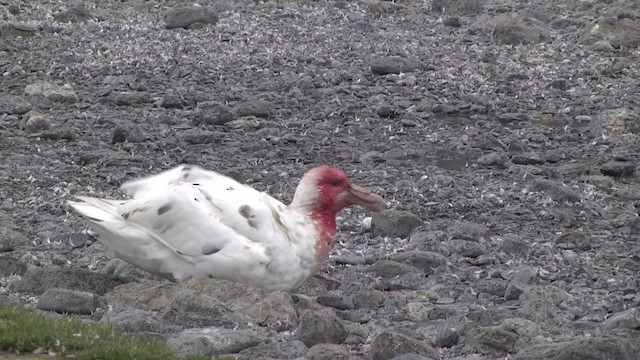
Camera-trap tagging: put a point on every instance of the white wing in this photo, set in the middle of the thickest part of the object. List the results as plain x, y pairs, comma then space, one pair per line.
188, 222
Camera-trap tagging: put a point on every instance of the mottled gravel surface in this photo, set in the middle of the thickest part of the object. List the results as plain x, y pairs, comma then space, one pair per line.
504, 136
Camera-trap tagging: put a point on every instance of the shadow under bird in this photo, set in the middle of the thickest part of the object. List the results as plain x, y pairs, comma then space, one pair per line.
188, 222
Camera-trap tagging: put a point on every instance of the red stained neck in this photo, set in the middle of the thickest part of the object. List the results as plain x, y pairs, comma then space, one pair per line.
324, 219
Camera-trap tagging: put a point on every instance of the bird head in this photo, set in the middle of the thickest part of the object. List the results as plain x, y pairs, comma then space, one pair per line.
327, 190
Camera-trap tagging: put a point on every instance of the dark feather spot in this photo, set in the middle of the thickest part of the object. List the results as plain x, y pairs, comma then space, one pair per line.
126, 215
245, 211
206, 195
185, 175
230, 188
209, 250
165, 229
187, 168
180, 252
164, 208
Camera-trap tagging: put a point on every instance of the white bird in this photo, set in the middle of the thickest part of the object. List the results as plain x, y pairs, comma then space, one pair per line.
188, 222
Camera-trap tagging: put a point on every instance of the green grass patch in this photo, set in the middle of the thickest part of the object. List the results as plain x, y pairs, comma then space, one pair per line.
24, 330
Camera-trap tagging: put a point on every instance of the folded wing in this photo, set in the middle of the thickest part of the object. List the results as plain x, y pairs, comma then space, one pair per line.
188, 222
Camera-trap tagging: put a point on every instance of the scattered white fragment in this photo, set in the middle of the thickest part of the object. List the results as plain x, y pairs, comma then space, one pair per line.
366, 223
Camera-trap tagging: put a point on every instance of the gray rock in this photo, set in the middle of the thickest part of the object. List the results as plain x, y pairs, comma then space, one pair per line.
522, 327
10, 104
386, 111
524, 273
628, 319
68, 301
466, 248
467, 231
447, 337
322, 326
571, 170
197, 137
457, 7
491, 159
574, 240
564, 22
74, 14
276, 350
618, 168
368, 299
412, 356
137, 321
410, 281
172, 101
10, 235
514, 290
612, 122
426, 261
336, 300
394, 65
618, 32
275, 310
214, 341
539, 303
528, 158
34, 121
389, 344
127, 133
550, 293
494, 337
129, 98
59, 134
195, 309
188, 16
558, 191
11, 266
602, 45
591, 348
514, 245
39, 280
394, 223
15, 29
508, 30
390, 269
419, 311
213, 113
452, 21
430, 241
356, 316
328, 352
494, 287
257, 108
53, 92
235, 303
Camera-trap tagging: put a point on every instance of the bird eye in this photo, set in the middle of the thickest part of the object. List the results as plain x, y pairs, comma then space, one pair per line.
335, 182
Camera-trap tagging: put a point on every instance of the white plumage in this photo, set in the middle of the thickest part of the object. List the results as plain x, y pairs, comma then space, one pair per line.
189, 222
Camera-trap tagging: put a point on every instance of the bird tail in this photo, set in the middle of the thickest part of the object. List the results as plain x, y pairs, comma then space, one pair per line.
97, 210
130, 242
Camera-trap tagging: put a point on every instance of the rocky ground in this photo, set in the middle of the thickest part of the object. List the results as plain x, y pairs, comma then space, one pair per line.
503, 135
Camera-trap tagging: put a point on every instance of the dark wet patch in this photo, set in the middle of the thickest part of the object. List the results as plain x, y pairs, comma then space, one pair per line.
210, 249
164, 208
245, 211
